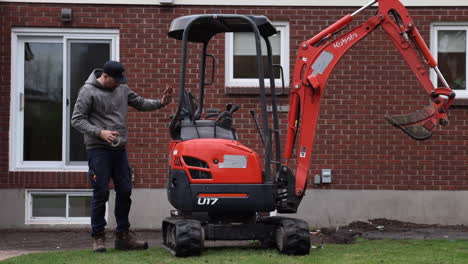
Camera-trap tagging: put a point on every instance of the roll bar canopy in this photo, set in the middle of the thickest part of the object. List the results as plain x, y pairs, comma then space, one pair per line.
206, 26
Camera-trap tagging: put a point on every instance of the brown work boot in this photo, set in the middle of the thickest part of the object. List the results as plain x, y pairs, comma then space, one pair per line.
99, 244
127, 241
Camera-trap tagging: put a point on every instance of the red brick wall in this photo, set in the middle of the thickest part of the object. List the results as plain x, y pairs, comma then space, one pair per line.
353, 139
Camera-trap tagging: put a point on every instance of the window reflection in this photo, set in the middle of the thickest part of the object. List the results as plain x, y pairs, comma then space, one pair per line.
49, 205
245, 58
43, 92
79, 206
452, 57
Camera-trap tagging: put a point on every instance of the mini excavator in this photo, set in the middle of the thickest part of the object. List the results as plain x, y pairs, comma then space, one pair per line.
221, 188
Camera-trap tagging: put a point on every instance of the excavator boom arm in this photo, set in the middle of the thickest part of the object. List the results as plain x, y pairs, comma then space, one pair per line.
318, 56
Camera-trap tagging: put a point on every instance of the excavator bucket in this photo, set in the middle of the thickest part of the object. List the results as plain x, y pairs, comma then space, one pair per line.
418, 125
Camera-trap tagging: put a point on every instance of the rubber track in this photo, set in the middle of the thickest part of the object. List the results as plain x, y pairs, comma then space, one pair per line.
297, 237
188, 238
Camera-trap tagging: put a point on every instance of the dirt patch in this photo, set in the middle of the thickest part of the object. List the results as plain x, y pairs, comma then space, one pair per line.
56, 240
19, 242
381, 228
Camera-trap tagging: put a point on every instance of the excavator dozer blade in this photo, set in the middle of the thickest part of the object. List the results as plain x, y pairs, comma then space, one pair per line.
418, 125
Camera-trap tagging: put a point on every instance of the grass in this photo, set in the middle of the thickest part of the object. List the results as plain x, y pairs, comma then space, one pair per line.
361, 252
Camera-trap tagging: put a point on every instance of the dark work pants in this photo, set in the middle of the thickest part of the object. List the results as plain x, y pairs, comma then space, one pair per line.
105, 164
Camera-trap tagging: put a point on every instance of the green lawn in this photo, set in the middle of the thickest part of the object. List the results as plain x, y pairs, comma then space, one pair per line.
363, 251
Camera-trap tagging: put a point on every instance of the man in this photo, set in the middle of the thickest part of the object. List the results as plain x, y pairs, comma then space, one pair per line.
101, 114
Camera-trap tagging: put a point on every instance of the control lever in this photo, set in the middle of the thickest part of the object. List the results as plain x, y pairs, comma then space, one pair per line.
233, 109
224, 120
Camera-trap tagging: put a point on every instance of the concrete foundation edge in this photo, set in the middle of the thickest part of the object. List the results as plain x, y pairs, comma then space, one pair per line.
320, 208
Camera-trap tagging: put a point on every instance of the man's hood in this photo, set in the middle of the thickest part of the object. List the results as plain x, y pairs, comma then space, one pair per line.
92, 79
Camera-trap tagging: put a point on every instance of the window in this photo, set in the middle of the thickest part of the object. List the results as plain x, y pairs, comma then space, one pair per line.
449, 45
58, 206
48, 68
241, 64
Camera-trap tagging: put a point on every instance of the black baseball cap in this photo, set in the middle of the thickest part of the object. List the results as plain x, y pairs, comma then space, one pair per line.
115, 70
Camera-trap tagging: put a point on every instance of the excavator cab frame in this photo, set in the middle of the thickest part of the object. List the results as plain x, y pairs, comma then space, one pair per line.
201, 29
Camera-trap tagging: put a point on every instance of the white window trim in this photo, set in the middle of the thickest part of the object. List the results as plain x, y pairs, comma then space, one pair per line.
30, 220
435, 27
16, 162
230, 81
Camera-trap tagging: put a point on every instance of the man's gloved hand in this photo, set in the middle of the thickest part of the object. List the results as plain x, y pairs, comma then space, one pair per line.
167, 97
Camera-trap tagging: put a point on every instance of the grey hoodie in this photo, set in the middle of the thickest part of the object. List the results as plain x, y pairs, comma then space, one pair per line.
98, 108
